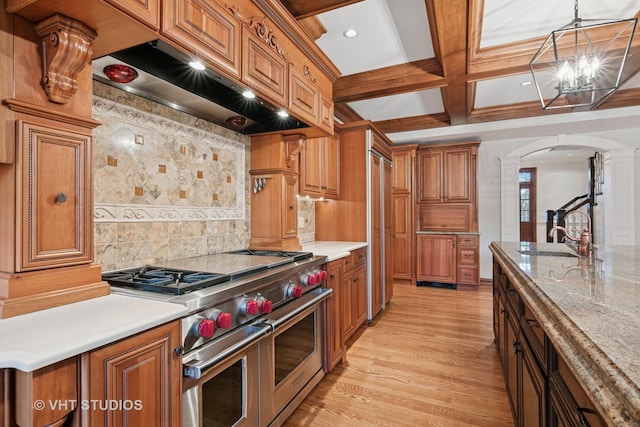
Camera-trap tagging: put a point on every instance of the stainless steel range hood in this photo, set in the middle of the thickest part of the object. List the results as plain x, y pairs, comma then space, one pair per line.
164, 76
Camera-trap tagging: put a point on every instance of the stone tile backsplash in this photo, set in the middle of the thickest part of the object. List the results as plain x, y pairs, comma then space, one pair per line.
166, 184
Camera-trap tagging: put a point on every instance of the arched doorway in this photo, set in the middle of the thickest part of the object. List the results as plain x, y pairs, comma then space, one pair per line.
615, 229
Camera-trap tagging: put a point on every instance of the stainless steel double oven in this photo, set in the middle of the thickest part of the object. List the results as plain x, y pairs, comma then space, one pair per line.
257, 375
252, 342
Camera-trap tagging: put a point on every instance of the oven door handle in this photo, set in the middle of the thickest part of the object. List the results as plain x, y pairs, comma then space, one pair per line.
294, 308
208, 355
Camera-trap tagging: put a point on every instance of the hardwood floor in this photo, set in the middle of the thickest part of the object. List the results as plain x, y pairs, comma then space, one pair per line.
427, 360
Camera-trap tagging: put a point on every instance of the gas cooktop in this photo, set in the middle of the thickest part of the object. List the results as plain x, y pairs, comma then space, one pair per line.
185, 275
164, 280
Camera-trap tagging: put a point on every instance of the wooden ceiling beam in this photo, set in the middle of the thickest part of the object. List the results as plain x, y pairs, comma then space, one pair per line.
402, 78
406, 124
345, 114
449, 22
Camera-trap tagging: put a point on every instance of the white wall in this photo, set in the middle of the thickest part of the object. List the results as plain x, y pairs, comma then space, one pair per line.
489, 180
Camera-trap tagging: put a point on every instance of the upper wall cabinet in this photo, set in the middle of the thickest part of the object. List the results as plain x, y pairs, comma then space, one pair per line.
264, 67
447, 193
444, 175
320, 168
304, 98
213, 32
146, 11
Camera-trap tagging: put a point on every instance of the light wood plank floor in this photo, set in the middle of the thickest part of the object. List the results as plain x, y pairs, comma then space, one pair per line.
427, 360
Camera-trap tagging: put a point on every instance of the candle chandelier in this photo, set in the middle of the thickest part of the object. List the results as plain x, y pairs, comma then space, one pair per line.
582, 63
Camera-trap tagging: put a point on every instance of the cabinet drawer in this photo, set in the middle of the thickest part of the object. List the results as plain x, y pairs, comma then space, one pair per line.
534, 334
467, 256
468, 275
468, 241
359, 256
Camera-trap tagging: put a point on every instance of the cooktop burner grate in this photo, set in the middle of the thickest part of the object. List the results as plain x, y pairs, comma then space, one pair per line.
171, 281
297, 256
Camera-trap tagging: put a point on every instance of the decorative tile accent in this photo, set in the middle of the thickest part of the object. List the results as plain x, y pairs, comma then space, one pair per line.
139, 191
139, 139
215, 197
112, 161
215, 157
173, 194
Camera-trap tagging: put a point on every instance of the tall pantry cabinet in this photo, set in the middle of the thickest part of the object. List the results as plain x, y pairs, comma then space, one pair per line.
364, 211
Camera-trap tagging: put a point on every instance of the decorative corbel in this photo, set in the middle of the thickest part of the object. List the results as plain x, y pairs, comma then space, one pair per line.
293, 145
66, 49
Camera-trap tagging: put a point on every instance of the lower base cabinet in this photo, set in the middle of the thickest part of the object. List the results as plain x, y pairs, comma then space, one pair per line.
139, 376
541, 388
335, 347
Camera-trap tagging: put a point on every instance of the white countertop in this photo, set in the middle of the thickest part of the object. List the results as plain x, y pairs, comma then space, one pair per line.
32, 341
332, 249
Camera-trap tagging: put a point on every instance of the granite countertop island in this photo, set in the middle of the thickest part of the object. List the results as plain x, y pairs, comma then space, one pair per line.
590, 310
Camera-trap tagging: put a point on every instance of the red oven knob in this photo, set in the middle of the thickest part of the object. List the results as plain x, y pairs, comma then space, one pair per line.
265, 305
323, 275
223, 320
250, 307
206, 328
294, 291
310, 280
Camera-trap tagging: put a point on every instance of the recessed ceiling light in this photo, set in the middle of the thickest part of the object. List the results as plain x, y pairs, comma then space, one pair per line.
248, 94
527, 83
196, 65
350, 33
283, 113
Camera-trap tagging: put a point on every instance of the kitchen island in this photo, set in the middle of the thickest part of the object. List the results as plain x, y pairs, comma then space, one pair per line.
589, 310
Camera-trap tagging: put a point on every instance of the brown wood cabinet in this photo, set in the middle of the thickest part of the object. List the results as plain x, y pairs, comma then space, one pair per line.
320, 168
541, 387
55, 386
335, 338
264, 68
147, 12
274, 213
388, 221
143, 370
436, 258
354, 291
205, 29
403, 200
446, 187
468, 259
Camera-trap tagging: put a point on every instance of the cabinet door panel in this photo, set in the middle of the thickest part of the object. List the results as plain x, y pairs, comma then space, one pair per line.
335, 336
403, 251
331, 167
430, 166
304, 98
436, 258
56, 223
402, 171
325, 119
290, 217
264, 69
206, 28
310, 167
142, 370
457, 183
146, 11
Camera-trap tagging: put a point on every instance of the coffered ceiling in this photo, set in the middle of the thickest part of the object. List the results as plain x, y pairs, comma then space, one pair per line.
426, 70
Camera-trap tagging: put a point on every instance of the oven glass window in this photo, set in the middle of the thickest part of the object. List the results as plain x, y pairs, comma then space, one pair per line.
293, 346
222, 397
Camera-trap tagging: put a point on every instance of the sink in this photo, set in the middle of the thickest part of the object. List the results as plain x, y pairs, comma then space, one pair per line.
547, 253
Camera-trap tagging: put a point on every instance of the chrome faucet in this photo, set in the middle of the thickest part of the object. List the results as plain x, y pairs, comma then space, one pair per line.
584, 246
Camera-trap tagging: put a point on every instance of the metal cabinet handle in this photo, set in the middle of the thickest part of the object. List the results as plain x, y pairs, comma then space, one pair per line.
583, 420
532, 323
332, 275
516, 347
61, 197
